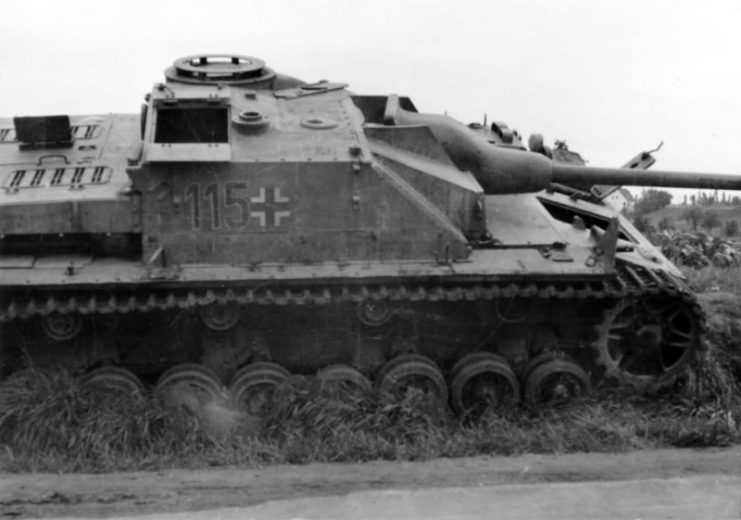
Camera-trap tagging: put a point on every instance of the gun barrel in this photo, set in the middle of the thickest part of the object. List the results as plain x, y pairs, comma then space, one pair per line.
501, 170
581, 175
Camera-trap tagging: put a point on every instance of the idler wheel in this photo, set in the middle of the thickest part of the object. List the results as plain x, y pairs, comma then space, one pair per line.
409, 372
190, 385
480, 381
253, 386
345, 377
219, 316
555, 382
641, 340
114, 379
61, 327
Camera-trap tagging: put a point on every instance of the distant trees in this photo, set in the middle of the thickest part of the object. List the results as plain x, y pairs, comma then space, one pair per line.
702, 210
665, 224
642, 224
706, 200
703, 198
652, 200
693, 215
710, 220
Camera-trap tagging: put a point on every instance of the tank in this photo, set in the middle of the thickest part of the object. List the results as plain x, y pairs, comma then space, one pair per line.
247, 225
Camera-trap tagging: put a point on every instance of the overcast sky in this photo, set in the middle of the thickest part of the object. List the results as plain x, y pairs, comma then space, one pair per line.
611, 78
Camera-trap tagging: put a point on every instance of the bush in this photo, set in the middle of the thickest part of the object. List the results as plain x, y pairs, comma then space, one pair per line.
730, 229
710, 220
642, 224
693, 215
665, 224
697, 250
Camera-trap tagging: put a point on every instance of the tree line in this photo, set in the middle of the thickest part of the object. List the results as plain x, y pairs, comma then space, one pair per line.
696, 214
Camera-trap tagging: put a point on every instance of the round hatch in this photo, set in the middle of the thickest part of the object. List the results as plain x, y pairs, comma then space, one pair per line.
219, 68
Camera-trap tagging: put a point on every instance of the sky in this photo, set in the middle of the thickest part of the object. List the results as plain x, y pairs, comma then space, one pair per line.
611, 78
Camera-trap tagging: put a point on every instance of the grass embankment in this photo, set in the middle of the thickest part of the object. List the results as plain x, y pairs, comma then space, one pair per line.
49, 422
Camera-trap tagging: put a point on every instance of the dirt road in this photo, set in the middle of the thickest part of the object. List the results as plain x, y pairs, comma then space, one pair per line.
44, 495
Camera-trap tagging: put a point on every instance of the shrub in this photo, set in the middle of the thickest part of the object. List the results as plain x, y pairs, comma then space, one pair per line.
730, 229
697, 250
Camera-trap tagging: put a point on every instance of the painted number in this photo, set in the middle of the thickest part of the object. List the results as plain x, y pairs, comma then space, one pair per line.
228, 206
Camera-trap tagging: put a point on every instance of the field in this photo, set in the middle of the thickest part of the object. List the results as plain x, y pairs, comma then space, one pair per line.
48, 422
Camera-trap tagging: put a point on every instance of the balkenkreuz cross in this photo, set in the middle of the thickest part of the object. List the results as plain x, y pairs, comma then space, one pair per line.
269, 207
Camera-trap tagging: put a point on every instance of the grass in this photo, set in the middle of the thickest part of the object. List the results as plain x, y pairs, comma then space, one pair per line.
715, 279
50, 423
612, 421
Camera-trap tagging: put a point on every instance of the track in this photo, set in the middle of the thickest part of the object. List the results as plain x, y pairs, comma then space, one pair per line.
470, 364
631, 280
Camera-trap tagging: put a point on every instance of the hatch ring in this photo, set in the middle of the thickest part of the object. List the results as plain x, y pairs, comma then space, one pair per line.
219, 68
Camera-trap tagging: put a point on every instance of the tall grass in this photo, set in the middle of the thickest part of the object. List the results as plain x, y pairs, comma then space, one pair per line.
316, 424
720, 296
715, 279
50, 423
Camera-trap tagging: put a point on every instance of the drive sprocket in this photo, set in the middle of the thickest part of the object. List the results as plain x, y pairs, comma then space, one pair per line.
647, 340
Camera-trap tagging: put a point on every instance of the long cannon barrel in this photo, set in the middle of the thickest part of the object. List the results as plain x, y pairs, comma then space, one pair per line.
502, 170
574, 174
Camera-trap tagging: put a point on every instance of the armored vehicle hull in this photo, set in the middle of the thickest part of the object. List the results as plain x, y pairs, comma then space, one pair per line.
247, 226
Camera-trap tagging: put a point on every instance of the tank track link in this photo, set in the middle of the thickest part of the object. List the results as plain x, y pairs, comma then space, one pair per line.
632, 280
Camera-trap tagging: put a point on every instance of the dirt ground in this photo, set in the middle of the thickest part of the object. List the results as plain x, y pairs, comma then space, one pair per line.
115, 494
